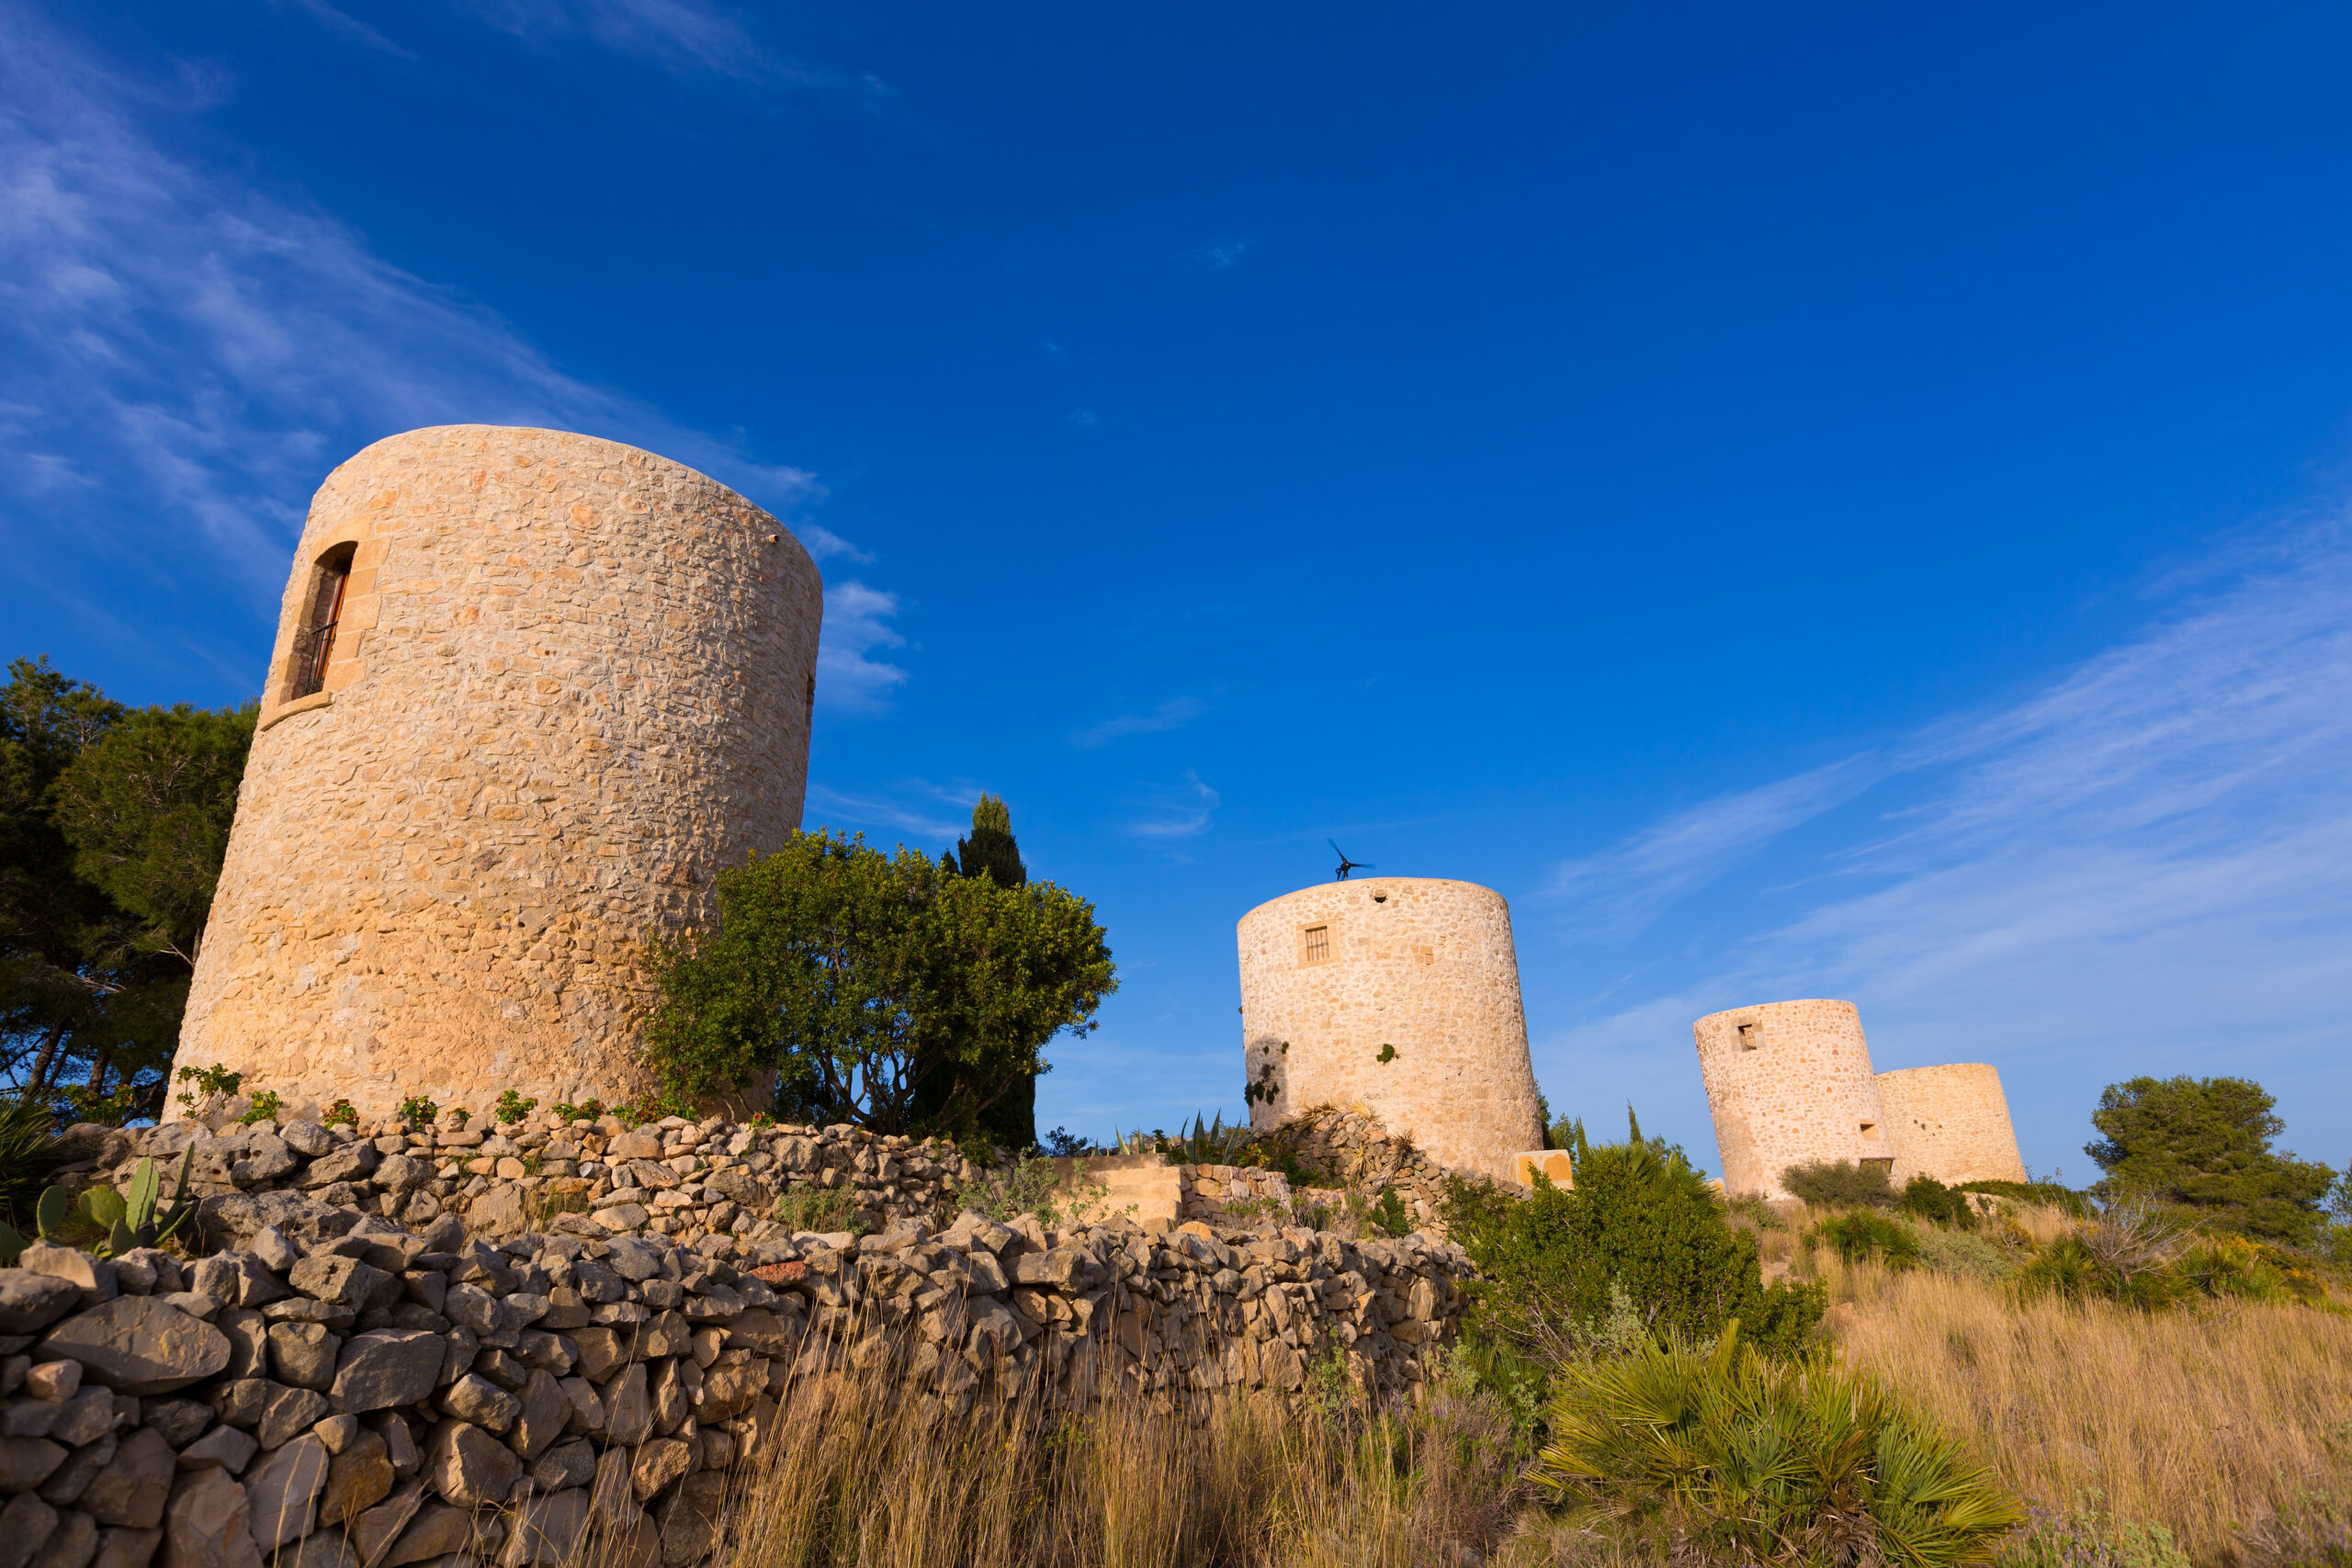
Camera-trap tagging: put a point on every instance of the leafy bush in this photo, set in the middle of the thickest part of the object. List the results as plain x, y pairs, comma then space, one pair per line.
341, 1113
1388, 1215
512, 1107
1857, 1238
587, 1110
419, 1111
27, 1154
1840, 1184
882, 990
1931, 1200
825, 1210
1639, 1222
264, 1107
1780, 1462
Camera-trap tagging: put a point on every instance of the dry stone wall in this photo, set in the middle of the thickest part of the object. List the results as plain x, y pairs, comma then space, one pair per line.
334, 1391
572, 681
1397, 998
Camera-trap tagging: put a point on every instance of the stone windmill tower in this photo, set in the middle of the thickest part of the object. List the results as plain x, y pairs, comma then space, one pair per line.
530, 690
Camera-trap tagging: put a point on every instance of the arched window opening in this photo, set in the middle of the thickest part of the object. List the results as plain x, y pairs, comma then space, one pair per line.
314, 639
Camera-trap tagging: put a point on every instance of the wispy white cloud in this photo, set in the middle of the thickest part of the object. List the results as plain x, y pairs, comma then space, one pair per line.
1173, 714
840, 808
1185, 812
685, 35
823, 544
2145, 866
857, 622
1217, 256
1625, 887
182, 359
351, 28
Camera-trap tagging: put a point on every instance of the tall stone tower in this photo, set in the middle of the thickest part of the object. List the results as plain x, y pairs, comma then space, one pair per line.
1950, 1123
530, 690
1397, 996
1789, 1083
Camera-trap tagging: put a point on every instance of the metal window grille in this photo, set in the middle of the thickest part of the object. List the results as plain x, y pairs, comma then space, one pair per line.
1318, 944
314, 644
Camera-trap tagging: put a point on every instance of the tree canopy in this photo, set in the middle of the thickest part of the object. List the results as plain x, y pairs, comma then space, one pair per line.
2204, 1144
113, 823
858, 982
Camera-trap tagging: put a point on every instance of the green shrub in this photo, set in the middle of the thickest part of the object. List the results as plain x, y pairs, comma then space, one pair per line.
825, 1210
1928, 1199
1840, 1184
419, 1112
266, 1107
1388, 1214
1782, 1463
1857, 1237
27, 1154
1637, 1221
2088, 1535
512, 1107
1965, 1252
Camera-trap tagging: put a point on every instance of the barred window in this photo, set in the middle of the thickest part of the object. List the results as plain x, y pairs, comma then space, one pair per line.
314, 639
1318, 944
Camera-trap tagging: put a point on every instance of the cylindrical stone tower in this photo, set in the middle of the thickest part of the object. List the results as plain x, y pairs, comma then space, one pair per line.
1789, 1083
530, 690
1950, 1123
1396, 997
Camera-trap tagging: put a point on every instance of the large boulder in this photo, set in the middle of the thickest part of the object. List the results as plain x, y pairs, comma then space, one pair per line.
137, 1345
385, 1366
205, 1524
282, 1492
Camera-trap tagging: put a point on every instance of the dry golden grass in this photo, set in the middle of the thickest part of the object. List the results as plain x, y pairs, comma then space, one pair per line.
860, 1476
2202, 1420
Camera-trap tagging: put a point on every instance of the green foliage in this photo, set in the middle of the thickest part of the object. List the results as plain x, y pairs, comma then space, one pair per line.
341, 1113
2089, 1536
825, 1210
121, 1223
1637, 1221
27, 1154
418, 1112
1782, 1463
652, 1107
859, 979
147, 809
990, 850
266, 1107
512, 1107
2041, 1194
1928, 1199
112, 823
1033, 1184
1840, 1183
2204, 1144
1860, 1237
1010, 1116
1387, 1215
207, 1089
459, 1115
585, 1110
1388, 1055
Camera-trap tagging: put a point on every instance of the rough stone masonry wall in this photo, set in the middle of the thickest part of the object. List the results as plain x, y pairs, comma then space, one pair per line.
350, 1395
572, 681
1425, 967
713, 1183
1789, 1083
1353, 1156
1950, 1123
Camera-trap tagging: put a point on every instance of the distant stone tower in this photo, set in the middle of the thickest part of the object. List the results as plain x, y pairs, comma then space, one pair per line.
1950, 1123
1421, 972
1789, 1083
530, 690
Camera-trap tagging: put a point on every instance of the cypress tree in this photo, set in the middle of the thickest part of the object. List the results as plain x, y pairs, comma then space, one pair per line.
990, 850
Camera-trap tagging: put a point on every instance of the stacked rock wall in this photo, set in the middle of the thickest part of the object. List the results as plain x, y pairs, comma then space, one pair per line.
1397, 998
1950, 1123
345, 1395
572, 681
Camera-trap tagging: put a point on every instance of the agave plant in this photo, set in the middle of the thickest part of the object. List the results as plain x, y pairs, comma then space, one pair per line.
139, 1220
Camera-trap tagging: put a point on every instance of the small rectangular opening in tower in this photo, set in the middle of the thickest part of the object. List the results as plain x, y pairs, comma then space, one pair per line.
1317, 947
1747, 1037
314, 639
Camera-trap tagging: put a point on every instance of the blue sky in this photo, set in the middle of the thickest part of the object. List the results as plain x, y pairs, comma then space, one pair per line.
1820, 500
